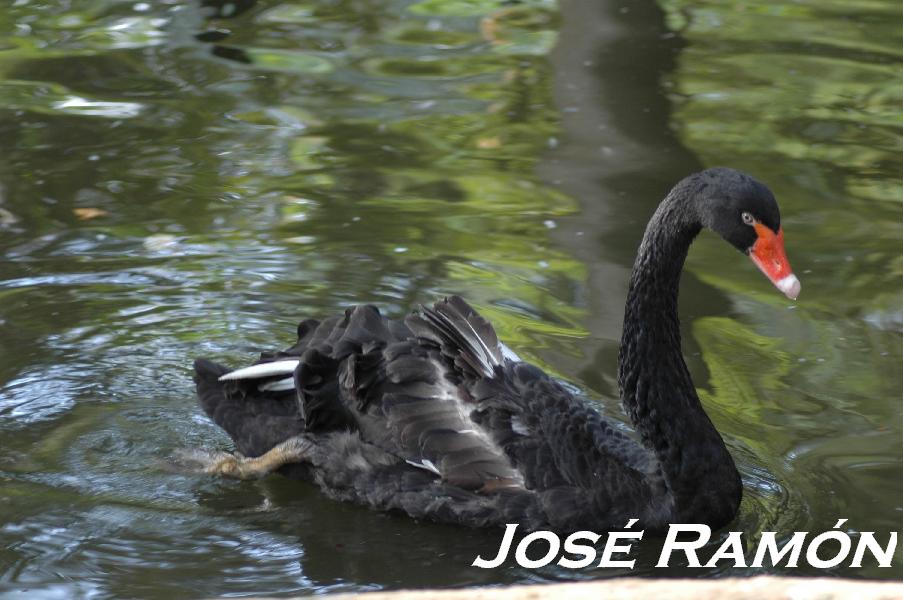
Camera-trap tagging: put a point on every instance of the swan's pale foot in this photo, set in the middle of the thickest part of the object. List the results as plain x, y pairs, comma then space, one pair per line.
292, 450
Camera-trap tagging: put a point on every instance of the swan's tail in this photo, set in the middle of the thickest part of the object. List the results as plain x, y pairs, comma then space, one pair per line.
256, 419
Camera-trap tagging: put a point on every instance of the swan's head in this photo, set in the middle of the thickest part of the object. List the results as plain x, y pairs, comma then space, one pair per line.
744, 212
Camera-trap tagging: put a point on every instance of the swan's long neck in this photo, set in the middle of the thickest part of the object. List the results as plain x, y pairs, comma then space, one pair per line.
656, 388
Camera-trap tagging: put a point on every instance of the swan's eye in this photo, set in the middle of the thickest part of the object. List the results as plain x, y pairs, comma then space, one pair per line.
747, 218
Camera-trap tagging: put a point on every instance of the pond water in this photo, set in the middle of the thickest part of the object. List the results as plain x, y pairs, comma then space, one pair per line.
179, 180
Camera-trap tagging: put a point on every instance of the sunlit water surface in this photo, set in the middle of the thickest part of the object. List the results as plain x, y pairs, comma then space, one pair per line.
177, 183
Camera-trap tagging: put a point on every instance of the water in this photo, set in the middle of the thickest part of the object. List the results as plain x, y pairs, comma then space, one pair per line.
165, 197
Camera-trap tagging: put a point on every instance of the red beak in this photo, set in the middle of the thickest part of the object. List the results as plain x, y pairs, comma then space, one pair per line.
769, 255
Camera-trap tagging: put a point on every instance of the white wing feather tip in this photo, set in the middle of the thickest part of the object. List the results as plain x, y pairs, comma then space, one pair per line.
425, 464
279, 385
269, 369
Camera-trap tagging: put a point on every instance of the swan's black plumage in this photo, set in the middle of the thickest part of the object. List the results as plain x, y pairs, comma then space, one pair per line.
427, 416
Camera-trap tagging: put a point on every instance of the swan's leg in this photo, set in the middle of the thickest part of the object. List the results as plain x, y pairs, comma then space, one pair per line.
293, 450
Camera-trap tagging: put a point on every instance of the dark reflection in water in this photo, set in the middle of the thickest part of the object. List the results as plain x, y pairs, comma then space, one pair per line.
177, 183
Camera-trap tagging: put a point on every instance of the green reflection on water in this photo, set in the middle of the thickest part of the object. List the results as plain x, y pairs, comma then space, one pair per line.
164, 198
321, 154
806, 95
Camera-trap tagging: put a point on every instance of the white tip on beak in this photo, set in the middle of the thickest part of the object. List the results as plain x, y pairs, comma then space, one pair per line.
790, 285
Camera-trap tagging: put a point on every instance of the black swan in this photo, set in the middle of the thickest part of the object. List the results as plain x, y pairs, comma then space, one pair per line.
432, 417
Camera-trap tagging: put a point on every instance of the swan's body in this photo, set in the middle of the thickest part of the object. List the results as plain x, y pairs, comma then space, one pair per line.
429, 416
